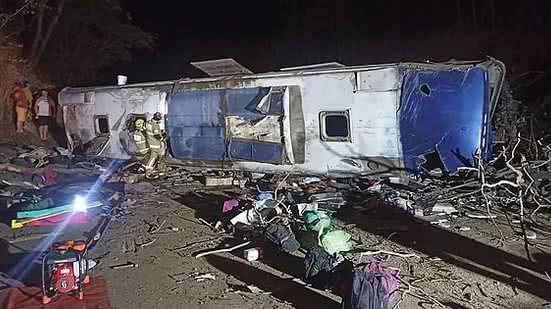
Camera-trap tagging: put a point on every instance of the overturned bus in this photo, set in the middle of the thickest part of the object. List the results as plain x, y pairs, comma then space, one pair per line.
373, 119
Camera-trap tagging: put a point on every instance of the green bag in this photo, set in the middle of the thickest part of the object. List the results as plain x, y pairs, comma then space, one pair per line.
316, 220
336, 241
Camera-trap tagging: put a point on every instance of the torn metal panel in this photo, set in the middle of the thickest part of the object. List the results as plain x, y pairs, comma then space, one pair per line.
221, 67
95, 147
265, 129
444, 111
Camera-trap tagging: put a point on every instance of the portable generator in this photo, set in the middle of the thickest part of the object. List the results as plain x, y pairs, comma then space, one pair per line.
64, 270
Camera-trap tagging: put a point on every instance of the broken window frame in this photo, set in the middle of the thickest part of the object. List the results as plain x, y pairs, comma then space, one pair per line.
97, 126
323, 126
265, 104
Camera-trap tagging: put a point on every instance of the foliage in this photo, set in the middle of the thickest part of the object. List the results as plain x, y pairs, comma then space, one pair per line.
90, 36
69, 41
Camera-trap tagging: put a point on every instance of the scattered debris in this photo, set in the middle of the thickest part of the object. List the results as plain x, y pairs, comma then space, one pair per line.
204, 277
443, 208
475, 216
531, 235
147, 243
253, 254
155, 228
222, 250
217, 181
403, 255
296, 214
125, 265
194, 244
256, 290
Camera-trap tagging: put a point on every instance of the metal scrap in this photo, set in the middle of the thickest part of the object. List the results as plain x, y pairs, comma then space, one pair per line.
125, 265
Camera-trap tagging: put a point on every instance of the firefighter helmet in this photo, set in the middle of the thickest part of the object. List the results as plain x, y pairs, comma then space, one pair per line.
139, 124
157, 116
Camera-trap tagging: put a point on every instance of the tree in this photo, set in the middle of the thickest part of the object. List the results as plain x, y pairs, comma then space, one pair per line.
90, 35
12, 14
41, 41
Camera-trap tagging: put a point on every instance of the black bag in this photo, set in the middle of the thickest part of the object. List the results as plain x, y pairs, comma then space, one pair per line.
323, 272
318, 265
282, 237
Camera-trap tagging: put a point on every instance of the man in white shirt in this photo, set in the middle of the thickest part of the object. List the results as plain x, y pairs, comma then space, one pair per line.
44, 109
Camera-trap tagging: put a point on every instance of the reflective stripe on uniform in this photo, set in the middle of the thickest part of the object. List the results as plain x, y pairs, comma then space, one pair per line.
153, 133
153, 128
151, 161
155, 146
141, 143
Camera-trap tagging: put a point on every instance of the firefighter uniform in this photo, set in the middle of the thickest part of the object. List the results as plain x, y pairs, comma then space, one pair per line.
140, 139
154, 141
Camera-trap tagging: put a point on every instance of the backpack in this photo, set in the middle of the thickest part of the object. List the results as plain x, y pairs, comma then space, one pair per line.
318, 265
325, 271
366, 291
282, 237
371, 287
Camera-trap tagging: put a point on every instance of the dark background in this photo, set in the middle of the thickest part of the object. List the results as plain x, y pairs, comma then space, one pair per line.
270, 34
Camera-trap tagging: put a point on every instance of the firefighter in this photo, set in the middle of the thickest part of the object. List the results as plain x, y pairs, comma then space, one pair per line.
140, 139
155, 137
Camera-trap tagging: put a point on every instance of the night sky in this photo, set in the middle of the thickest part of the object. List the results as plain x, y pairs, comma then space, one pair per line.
270, 34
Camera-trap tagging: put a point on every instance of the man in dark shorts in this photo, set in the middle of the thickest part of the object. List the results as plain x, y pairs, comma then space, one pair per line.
44, 109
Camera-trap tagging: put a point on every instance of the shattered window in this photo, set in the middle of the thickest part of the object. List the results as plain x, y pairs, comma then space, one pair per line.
335, 126
276, 102
272, 102
102, 125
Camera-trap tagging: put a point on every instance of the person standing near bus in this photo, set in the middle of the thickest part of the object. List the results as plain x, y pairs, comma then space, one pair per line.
44, 110
21, 106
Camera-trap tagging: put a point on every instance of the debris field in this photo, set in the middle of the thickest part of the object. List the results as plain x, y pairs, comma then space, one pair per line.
218, 239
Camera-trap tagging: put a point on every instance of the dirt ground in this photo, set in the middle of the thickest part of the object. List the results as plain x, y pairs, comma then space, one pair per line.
463, 263
453, 267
